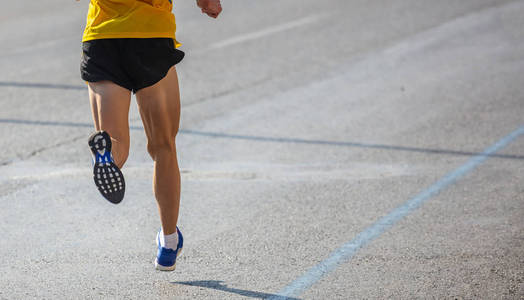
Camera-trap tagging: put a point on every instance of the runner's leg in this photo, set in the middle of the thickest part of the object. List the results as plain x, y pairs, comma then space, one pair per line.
159, 107
110, 108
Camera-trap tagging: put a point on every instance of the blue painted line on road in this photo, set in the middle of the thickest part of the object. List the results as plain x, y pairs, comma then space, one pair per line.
348, 250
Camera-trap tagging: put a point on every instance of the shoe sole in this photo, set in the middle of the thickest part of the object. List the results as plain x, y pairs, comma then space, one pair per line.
106, 175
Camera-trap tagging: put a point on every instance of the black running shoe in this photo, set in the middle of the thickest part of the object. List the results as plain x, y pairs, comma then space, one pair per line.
107, 176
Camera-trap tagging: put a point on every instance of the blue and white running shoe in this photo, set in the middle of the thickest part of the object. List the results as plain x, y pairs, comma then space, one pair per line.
107, 176
166, 257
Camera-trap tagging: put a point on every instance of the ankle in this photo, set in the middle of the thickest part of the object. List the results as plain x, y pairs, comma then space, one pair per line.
168, 240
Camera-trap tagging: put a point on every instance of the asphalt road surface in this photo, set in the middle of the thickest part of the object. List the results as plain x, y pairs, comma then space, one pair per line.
336, 149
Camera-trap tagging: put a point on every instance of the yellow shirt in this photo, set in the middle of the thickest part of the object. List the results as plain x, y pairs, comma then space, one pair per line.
130, 19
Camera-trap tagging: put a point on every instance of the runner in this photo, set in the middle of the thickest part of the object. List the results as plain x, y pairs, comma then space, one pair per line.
129, 46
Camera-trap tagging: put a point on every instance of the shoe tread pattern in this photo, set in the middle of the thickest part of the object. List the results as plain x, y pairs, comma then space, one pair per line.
107, 176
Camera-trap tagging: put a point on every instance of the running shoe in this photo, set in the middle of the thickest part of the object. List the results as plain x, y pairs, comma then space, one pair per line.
166, 257
107, 176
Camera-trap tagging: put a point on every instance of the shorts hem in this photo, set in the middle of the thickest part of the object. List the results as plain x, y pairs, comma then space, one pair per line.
156, 80
94, 80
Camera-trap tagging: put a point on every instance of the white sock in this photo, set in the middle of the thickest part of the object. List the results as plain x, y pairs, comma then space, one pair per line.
169, 241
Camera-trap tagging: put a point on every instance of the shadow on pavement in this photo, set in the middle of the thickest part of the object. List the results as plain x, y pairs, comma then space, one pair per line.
218, 285
279, 139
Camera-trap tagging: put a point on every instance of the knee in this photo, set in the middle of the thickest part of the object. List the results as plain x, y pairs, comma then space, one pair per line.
161, 147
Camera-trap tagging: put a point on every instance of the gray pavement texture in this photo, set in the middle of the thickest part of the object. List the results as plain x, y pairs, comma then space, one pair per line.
303, 123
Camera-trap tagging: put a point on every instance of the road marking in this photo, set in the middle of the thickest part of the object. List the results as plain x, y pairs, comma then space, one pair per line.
348, 250
265, 32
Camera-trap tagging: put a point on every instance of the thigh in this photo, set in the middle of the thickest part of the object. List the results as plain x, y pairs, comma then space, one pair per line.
110, 108
159, 107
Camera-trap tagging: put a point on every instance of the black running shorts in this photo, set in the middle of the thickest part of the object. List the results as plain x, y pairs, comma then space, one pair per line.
131, 63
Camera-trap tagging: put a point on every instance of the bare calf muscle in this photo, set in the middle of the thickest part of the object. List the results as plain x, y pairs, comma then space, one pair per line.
159, 107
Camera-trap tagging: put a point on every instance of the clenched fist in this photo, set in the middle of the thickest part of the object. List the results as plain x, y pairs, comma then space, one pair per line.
210, 7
